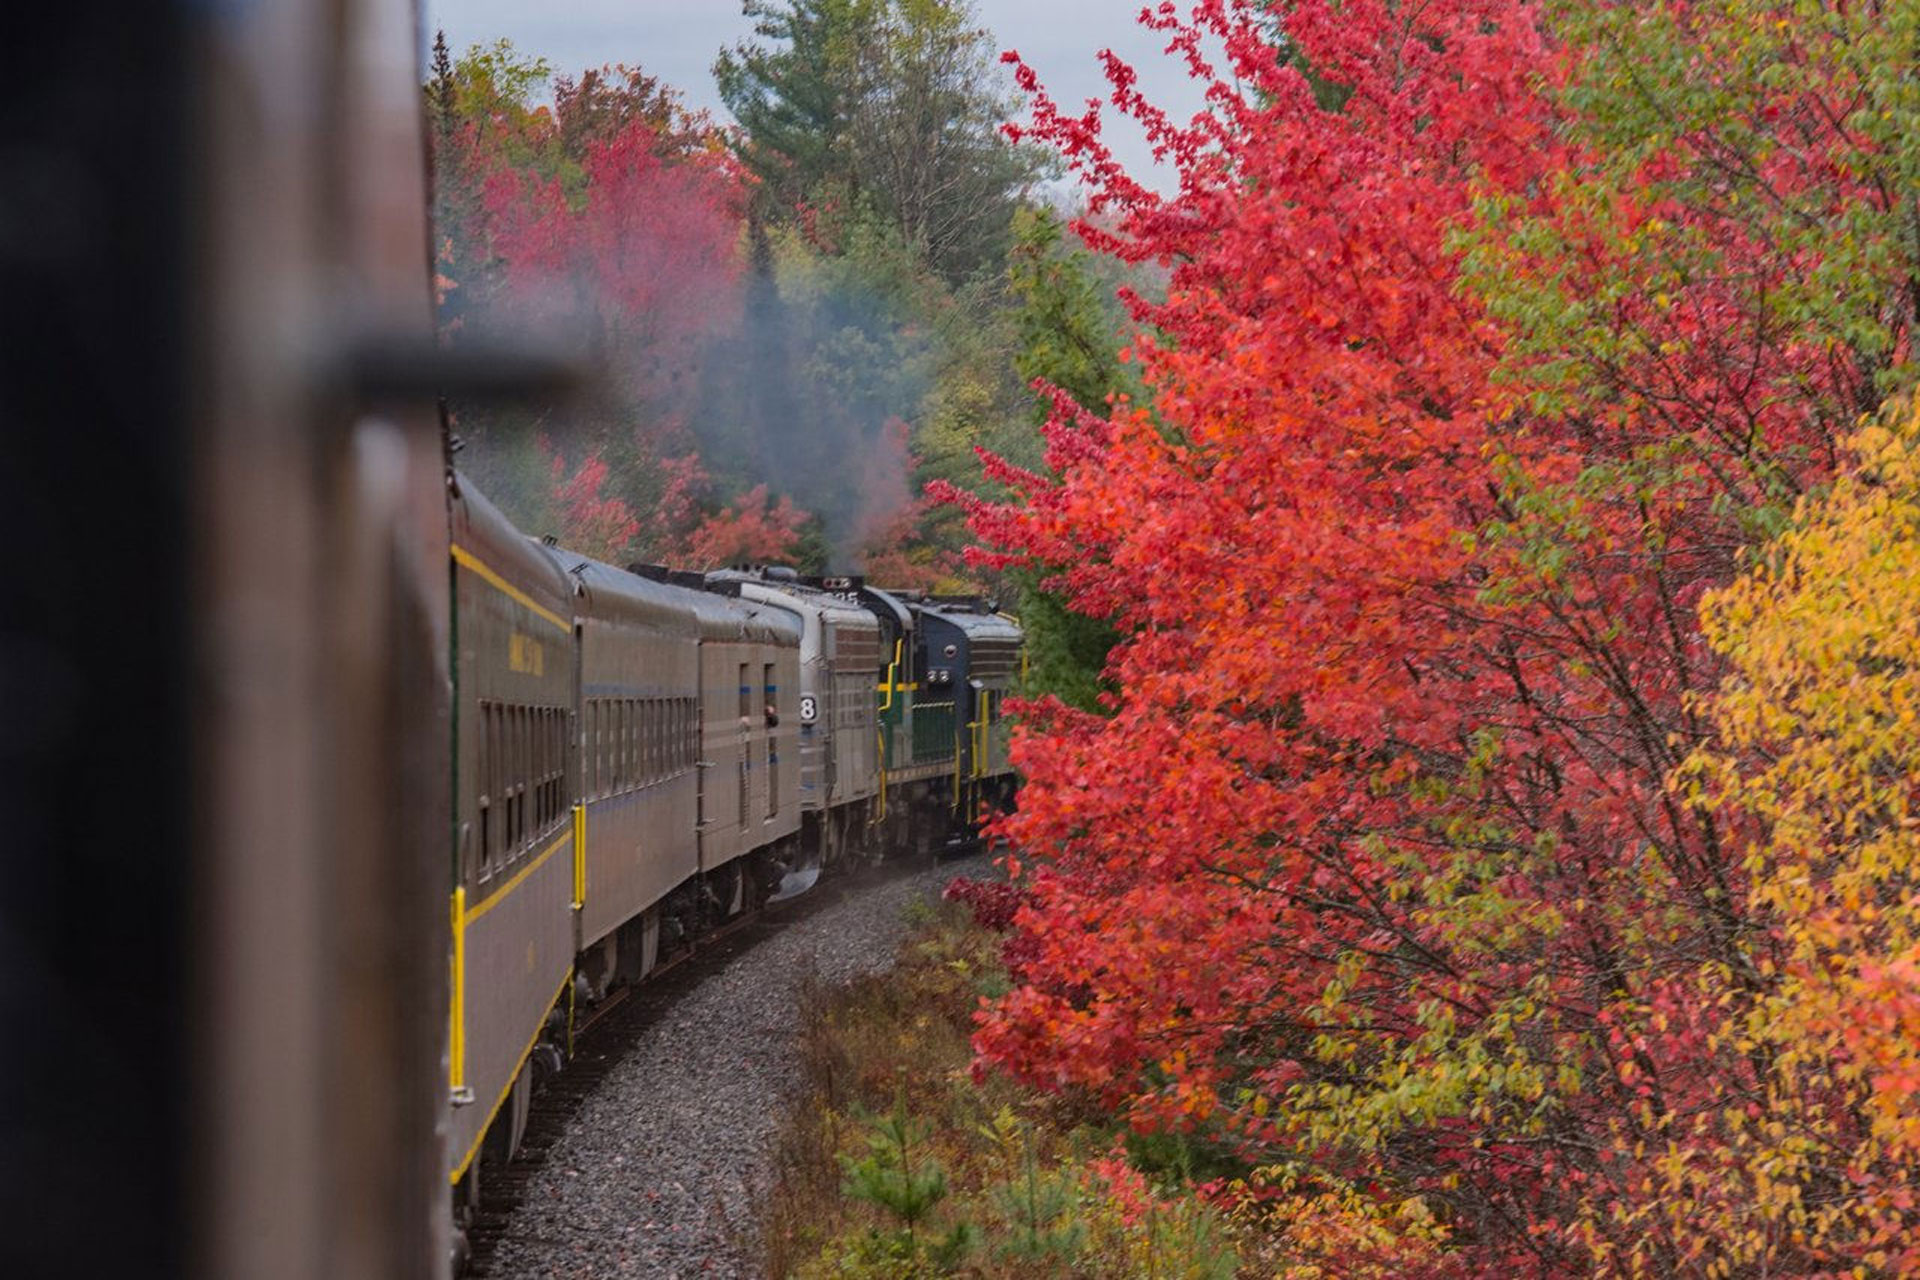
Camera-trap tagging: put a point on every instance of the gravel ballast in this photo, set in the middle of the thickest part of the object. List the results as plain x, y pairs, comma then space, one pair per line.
659, 1173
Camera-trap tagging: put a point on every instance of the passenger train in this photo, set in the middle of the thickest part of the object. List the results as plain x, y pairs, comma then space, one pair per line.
643, 754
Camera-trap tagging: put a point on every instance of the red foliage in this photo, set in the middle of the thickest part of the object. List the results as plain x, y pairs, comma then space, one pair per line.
1374, 866
993, 903
591, 521
646, 267
751, 530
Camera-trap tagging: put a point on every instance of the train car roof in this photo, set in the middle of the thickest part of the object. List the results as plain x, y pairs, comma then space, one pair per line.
978, 623
877, 599
483, 532
839, 609
602, 591
610, 592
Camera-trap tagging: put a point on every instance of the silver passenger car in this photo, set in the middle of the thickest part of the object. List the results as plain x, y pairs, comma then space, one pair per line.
840, 667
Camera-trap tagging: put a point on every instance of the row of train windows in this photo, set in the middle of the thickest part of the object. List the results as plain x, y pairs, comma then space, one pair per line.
630, 742
522, 776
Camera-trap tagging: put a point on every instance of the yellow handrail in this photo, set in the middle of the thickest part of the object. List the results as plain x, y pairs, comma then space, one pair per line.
891, 669
457, 1035
579, 856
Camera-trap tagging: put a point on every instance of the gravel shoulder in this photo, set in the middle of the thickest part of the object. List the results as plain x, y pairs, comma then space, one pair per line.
659, 1173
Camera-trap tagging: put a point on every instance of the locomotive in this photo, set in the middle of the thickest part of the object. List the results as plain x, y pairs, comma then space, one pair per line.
641, 755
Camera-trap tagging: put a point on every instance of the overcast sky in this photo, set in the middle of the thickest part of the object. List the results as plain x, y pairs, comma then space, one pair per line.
676, 40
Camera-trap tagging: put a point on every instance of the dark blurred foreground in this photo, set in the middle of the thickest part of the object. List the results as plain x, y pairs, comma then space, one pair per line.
220, 670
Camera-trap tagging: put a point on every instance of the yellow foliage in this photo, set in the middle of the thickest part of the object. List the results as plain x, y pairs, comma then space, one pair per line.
1816, 758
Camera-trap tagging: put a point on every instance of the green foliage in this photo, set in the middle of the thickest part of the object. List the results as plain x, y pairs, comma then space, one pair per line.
1068, 323
1037, 1205
1714, 144
1174, 1158
879, 108
1182, 1240
896, 1174
954, 1175
1066, 651
1067, 329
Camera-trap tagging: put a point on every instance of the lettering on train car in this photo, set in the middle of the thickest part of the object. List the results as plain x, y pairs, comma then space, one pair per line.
526, 655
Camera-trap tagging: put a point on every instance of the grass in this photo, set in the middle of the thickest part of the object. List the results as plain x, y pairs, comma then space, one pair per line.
897, 1164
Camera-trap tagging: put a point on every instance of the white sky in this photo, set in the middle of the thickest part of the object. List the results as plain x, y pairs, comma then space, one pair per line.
677, 40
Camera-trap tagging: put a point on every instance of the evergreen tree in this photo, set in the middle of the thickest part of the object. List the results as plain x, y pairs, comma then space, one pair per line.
881, 109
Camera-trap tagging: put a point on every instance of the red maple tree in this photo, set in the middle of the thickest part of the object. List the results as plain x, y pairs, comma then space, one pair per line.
1374, 876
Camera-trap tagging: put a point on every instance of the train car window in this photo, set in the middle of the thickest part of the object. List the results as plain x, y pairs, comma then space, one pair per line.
669, 718
657, 737
773, 757
536, 769
652, 706
616, 745
746, 695
602, 752
522, 768
486, 782
509, 774
520, 772
611, 783
559, 763
646, 740
538, 775
629, 742
502, 780
544, 806
556, 760
673, 735
505, 770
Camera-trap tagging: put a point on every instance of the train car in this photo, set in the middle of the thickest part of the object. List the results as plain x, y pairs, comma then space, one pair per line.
839, 745
639, 751
515, 693
748, 823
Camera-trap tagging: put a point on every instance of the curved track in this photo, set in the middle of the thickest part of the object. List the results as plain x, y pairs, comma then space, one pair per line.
644, 1157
